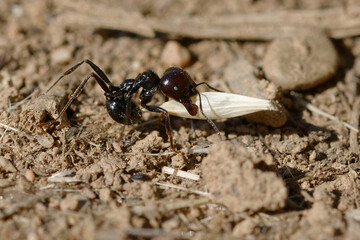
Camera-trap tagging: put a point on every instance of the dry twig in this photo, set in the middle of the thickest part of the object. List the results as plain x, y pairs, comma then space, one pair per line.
352, 81
180, 173
337, 22
61, 177
148, 232
170, 205
166, 185
27, 202
7, 127
318, 111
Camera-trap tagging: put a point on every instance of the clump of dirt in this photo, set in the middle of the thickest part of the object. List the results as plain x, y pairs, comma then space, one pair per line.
322, 220
151, 143
42, 109
234, 178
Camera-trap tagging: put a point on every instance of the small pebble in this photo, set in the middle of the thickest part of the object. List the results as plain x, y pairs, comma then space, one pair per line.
178, 161
45, 140
32, 236
23, 185
29, 175
6, 165
174, 54
105, 194
17, 10
4, 183
300, 60
316, 156
140, 176
244, 228
170, 224
61, 56
146, 191
70, 202
357, 67
88, 193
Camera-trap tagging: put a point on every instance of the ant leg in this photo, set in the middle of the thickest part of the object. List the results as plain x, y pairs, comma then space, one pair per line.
167, 123
104, 83
73, 97
208, 119
160, 119
212, 88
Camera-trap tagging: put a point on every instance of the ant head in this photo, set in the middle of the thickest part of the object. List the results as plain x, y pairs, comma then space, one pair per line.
118, 107
177, 84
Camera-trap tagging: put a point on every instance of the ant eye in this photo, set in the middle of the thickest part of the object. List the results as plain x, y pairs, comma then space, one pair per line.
117, 110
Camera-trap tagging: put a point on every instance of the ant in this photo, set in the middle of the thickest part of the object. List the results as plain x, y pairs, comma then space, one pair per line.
175, 83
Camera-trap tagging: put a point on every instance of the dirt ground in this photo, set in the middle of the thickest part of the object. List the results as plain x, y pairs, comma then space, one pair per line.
88, 177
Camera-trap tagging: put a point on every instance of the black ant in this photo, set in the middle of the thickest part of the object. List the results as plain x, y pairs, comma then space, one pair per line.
175, 84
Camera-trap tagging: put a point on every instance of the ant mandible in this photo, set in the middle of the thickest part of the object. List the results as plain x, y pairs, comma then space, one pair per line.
175, 84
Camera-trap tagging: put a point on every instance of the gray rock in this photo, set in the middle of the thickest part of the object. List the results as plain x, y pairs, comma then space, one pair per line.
300, 60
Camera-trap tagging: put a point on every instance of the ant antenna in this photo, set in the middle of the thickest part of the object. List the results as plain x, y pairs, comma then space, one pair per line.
201, 109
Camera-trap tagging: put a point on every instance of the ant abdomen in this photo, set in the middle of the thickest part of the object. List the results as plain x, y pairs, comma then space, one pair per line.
117, 111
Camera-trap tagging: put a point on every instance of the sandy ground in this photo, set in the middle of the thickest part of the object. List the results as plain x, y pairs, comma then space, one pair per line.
88, 177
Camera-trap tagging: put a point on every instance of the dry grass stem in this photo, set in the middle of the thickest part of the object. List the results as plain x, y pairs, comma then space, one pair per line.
320, 112
337, 22
17, 104
170, 205
147, 232
47, 187
354, 144
65, 190
60, 177
100, 15
63, 179
180, 173
166, 185
7, 127
148, 154
28, 202
352, 81
199, 150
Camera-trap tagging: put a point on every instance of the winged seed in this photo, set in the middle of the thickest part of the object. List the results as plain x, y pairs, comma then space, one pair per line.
220, 105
